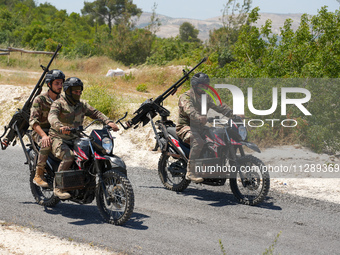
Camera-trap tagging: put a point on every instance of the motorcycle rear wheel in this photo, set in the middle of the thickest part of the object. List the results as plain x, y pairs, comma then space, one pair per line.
44, 196
172, 181
118, 206
253, 187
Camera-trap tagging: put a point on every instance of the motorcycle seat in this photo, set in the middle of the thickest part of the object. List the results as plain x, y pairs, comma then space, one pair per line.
50, 155
172, 131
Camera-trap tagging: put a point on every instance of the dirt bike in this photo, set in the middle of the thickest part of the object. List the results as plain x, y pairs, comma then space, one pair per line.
223, 151
249, 181
96, 173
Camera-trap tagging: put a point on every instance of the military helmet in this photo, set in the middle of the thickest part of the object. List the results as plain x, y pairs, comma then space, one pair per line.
200, 78
53, 75
72, 82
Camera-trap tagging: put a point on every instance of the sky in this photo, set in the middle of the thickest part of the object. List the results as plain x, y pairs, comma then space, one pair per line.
203, 9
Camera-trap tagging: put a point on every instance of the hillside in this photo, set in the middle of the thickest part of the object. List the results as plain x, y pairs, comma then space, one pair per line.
170, 26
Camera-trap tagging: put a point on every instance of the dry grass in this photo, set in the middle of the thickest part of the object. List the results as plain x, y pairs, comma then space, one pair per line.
24, 70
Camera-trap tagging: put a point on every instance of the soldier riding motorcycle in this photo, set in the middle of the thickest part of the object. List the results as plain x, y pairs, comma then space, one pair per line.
95, 172
220, 147
87, 169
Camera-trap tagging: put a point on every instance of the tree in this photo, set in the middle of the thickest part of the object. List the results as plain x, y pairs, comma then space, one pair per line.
234, 16
131, 47
188, 33
111, 11
155, 22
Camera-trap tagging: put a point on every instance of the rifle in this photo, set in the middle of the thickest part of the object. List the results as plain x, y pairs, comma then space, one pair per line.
150, 108
20, 120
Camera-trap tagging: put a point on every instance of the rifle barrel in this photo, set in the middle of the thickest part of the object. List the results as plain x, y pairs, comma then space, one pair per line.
42, 78
176, 85
19, 122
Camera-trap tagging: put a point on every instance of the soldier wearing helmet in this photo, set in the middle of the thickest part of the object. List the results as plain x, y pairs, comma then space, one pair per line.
190, 120
69, 112
39, 123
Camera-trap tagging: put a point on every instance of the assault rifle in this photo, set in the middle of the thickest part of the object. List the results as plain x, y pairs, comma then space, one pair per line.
150, 108
20, 120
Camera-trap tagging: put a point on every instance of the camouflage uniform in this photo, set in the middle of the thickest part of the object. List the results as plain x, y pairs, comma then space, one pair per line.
64, 114
39, 113
189, 127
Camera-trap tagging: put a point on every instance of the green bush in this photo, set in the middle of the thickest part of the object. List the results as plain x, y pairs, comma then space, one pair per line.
142, 87
102, 99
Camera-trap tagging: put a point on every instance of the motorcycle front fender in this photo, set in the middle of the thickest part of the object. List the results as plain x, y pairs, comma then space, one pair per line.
252, 146
117, 163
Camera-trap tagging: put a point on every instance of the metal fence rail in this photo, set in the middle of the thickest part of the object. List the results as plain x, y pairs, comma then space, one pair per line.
10, 49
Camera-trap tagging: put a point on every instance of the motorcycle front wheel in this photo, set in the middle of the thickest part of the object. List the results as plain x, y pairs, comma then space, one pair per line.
44, 196
116, 202
250, 184
172, 172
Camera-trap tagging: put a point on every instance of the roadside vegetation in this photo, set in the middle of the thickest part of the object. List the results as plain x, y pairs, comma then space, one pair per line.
238, 51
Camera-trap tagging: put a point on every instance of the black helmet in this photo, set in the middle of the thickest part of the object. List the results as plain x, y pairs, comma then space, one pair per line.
72, 82
200, 78
53, 75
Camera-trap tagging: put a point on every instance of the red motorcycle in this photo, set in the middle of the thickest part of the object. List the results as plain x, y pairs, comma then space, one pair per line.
222, 158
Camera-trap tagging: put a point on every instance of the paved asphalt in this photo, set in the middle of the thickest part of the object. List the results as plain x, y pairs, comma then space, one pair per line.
166, 222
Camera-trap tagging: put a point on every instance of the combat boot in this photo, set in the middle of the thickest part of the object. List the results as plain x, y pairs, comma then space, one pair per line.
190, 175
61, 194
39, 179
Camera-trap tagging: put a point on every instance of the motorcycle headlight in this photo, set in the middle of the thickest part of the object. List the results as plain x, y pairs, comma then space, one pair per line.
242, 131
107, 145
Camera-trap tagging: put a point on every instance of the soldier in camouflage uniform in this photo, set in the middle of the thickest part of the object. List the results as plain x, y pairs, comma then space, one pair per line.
191, 121
69, 112
39, 123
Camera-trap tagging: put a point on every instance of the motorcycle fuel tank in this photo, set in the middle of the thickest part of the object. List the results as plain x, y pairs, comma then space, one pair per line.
82, 147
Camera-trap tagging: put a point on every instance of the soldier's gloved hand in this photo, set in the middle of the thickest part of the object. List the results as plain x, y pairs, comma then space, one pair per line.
203, 120
65, 130
113, 126
45, 141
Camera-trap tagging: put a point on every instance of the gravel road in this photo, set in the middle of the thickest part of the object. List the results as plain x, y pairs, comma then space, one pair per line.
166, 222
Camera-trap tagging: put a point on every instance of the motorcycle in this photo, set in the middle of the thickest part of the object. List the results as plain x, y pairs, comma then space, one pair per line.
248, 178
223, 150
96, 173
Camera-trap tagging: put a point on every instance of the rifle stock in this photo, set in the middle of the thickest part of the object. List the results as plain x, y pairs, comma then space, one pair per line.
150, 108
19, 123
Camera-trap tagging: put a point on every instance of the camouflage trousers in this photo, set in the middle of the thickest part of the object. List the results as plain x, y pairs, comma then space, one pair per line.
193, 138
61, 151
43, 153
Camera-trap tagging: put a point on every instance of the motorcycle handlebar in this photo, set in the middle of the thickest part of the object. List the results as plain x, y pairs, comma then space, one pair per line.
81, 129
236, 118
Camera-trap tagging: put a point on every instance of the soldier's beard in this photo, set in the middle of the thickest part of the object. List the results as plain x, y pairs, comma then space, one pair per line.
50, 87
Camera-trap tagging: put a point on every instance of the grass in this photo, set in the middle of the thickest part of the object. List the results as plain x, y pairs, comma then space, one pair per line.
115, 95
271, 248
111, 95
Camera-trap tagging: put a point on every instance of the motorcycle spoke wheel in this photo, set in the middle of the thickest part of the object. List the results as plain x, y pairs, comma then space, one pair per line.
44, 196
250, 184
169, 171
117, 207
